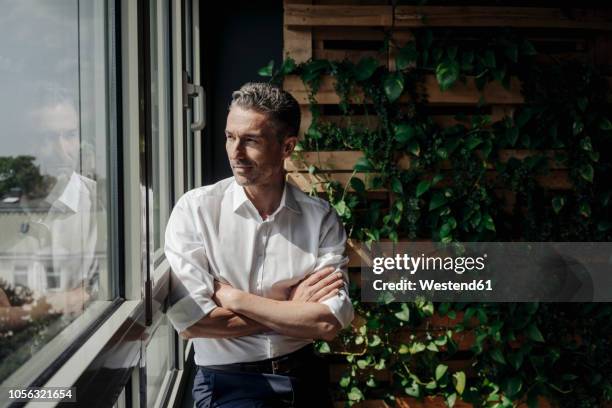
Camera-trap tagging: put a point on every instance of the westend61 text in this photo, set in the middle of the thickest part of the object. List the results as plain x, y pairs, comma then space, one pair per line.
429, 285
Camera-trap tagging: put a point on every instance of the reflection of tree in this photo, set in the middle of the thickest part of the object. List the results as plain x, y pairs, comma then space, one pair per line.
21, 172
33, 333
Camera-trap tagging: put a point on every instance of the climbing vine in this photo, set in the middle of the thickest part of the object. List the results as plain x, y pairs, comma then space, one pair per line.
519, 352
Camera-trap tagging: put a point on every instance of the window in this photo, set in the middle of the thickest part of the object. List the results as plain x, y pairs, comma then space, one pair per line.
54, 207
20, 275
160, 118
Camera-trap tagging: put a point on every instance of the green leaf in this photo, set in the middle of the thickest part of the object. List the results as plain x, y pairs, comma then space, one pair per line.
516, 360
436, 179
341, 208
451, 399
433, 347
414, 390
362, 364
440, 371
324, 347
472, 142
437, 200
488, 59
288, 66
512, 135
345, 381
582, 103
393, 85
557, 203
404, 314
604, 226
577, 127
586, 172
365, 68
414, 147
267, 70
527, 48
605, 124
487, 222
534, 333
404, 132
459, 381
585, 209
357, 185
447, 74
417, 347
363, 165
585, 144
523, 117
396, 186
422, 187
513, 386
511, 52
355, 394
497, 356
404, 349
406, 55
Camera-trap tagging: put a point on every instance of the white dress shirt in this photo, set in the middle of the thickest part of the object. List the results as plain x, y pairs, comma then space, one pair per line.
216, 233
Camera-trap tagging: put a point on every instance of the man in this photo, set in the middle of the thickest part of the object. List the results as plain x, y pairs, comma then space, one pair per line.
258, 267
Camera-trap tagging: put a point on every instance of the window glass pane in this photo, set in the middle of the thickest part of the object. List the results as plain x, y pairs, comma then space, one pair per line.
53, 170
157, 353
160, 116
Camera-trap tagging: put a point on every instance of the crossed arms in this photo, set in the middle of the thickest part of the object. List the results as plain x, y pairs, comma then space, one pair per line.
241, 313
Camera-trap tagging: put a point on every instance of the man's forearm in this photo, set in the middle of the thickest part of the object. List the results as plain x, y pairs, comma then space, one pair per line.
295, 319
223, 323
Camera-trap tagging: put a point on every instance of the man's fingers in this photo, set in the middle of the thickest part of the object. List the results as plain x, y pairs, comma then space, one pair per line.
326, 290
318, 275
329, 295
327, 281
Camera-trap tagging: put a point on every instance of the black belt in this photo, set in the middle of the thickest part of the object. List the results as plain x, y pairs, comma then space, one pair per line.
277, 365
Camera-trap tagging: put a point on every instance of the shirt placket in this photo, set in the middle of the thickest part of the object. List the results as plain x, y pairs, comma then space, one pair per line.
262, 243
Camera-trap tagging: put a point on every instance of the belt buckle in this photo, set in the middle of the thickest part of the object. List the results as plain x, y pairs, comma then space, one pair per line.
275, 366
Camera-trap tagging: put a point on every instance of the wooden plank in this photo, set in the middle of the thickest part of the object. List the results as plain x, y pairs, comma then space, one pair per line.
297, 41
305, 120
324, 161
348, 33
325, 15
459, 94
520, 17
309, 182
337, 161
353, 56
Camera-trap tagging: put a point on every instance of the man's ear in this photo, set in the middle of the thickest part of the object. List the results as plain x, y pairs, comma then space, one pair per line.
288, 145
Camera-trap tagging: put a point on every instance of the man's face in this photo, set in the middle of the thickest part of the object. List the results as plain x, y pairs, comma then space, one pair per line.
254, 152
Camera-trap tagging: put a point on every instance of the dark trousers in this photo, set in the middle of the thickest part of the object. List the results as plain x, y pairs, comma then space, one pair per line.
303, 386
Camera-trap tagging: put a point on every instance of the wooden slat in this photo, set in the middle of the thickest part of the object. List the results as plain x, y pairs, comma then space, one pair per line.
297, 41
338, 161
520, 17
459, 94
307, 15
307, 182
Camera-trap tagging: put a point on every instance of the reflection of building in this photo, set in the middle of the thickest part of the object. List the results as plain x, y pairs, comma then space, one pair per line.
55, 243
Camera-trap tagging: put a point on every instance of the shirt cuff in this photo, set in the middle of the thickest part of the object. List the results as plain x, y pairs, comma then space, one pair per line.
341, 307
189, 310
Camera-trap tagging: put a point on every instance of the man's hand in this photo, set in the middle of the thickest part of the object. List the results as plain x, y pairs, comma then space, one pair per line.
225, 295
317, 287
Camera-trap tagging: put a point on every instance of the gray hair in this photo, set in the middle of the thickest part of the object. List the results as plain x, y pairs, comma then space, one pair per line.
280, 106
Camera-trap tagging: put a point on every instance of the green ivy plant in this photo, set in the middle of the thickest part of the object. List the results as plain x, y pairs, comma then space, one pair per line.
520, 351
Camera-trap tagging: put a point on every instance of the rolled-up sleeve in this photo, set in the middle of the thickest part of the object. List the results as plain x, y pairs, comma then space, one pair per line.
332, 245
191, 284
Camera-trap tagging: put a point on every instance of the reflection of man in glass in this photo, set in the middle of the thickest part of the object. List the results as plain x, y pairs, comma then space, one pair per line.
55, 242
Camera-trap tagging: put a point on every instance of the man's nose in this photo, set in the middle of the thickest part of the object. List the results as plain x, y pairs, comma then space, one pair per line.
236, 150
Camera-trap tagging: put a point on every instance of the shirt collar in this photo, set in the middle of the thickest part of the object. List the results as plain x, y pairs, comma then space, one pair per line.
287, 200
